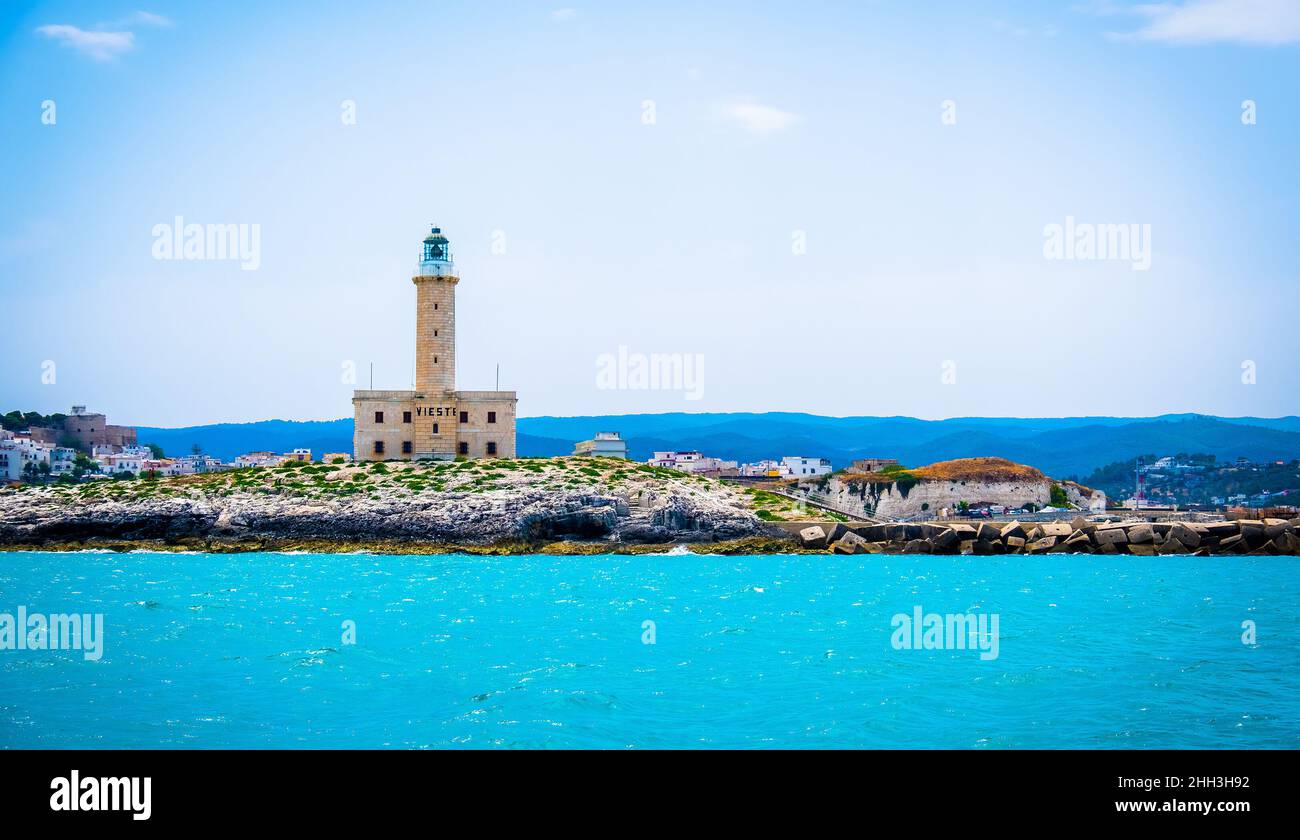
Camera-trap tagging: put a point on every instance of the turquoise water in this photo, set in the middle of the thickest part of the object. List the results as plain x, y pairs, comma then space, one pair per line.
768, 651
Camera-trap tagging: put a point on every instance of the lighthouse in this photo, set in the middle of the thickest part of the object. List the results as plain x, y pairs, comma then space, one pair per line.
434, 421
435, 316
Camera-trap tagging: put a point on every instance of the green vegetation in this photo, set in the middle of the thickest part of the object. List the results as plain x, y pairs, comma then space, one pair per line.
15, 421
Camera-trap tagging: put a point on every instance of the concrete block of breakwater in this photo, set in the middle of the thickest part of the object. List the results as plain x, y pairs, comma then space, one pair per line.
918, 547
1013, 543
1060, 530
874, 533
1079, 541
1142, 549
1287, 543
1235, 544
1275, 527
989, 532
814, 536
1172, 546
1221, 529
1140, 533
1110, 536
837, 530
849, 543
1184, 535
1013, 529
945, 539
1253, 533
903, 533
1042, 545
967, 547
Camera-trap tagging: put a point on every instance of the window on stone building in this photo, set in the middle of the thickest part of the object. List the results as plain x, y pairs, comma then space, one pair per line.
406, 417
492, 447
492, 416
435, 428
406, 447
464, 417
379, 416
462, 448
379, 447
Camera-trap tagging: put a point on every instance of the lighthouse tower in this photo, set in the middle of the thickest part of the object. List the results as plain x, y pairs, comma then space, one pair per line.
435, 316
434, 421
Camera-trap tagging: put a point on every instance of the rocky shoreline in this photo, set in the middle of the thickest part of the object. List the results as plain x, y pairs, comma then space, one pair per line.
554, 506
1081, 536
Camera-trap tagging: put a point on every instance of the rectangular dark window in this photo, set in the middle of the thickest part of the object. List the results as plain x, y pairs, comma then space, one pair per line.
406, 417
379, 416
492, 447
492, 416
462, 448
379, 447
435, 428
464, 417
406, 447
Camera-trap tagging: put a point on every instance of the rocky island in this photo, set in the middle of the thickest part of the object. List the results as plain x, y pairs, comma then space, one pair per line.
575, 504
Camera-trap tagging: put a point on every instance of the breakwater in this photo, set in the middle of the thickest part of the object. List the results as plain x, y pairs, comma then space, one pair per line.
1080, 536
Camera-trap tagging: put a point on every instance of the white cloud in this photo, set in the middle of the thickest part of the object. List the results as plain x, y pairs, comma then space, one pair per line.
150, 19
107, 40
564, 14
101, 46
760, 119
1254, 22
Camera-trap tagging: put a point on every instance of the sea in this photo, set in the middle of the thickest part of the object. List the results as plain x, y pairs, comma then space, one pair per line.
675, 650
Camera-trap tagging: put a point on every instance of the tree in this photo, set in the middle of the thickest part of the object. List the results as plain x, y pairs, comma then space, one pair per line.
196, 449
157, 451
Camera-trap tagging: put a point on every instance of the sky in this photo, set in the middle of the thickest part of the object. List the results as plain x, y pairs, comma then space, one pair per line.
839, 208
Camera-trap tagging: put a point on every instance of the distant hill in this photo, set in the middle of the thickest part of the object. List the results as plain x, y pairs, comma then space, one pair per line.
228, 440
1062, 447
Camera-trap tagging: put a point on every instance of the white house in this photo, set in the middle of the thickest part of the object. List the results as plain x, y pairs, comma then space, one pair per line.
605, 444
801, 466
674, 460
62, 460
17, 452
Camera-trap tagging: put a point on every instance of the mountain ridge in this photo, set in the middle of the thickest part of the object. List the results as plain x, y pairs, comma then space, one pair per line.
1059, 446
